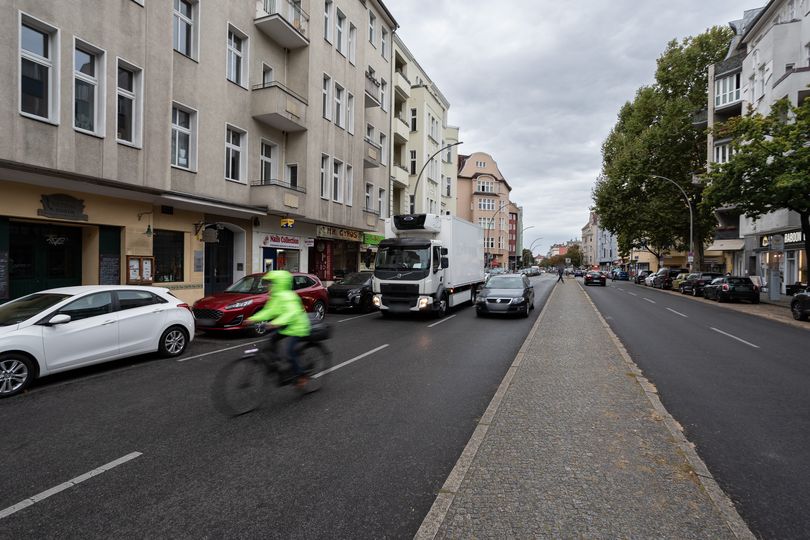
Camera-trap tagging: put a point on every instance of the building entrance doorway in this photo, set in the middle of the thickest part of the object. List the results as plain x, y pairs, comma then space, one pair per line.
43, 256
219, 262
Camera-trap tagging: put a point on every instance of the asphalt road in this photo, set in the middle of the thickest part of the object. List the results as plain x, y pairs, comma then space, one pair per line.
362, 458
738, 384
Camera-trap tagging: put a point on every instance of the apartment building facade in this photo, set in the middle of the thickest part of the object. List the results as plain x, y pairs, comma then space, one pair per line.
188, 143
483, 199
424, 171
589, 232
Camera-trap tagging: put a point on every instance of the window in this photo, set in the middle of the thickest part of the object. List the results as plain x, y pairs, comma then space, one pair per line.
485, 186
39, 63
486, 223
185, 41
88, 306
383, 95
327, 20
370, 132
383, 149
340, 32
372, 21
489, 242
183, 137
384, 43
369, 196
292, 174
88, 88
337, 177
350, 113
269, 161
129, 103
486, 204
267, 75
413, 119
352, 46
727, 90
235, 148
434, 128
136, 299
237, 57
480, 164
448, 186
349, 184
324, 176
168, 248
382, 203
500, 242
413, 162
723, 153
807, 53
327, 93
339, 111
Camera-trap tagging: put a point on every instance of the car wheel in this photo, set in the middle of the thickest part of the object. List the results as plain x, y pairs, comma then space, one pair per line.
525, 312
173, 342
796, 311
318, 310
478, 313
259, 330
694, 292
16, 373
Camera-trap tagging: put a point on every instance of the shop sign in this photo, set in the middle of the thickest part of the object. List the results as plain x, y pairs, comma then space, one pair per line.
62, 206
337, 233
309, 242
372, 239
794, 237
281, 241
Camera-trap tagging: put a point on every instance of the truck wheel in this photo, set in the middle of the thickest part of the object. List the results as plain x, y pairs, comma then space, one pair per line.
442, 311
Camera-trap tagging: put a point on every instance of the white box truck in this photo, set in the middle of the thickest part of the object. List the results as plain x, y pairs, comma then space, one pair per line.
427, 263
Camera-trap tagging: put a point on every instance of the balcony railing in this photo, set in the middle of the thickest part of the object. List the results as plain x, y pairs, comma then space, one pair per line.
277, 182
283, 21
279, 107
372, 91
373, 153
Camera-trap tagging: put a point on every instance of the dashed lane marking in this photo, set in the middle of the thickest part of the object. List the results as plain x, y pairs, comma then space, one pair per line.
441, 321
650, 301
632, 293
357, 317
347, 362
735, 337
218, 351
678, 313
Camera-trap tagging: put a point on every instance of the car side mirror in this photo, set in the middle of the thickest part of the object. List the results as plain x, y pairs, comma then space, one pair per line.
445, 262
59, 319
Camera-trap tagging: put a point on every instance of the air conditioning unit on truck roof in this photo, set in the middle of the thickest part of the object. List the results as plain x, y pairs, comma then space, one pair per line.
428, 263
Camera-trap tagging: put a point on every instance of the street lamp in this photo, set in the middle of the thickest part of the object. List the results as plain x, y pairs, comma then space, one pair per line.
521, 245
419, 177
691, 219
498, 211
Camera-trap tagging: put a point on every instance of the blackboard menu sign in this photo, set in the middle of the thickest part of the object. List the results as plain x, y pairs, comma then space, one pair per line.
4, 275
109, 269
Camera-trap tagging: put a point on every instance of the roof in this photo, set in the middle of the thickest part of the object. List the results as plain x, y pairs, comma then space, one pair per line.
753, 18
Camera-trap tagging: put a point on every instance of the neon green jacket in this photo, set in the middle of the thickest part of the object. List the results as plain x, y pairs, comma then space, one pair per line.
284, 307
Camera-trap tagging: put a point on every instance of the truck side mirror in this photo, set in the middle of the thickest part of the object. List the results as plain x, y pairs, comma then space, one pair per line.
444, 251
445, 262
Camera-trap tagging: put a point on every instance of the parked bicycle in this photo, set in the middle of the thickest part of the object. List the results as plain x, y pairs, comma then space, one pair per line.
242, 384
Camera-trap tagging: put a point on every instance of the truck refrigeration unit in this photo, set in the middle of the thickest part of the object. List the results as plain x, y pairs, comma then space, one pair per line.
427, 263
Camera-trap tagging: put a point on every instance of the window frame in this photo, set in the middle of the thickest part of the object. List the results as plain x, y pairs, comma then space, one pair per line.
325, 176
242, 148
192, 133
350, 112
383, 148
273, 160
244, 55
369, 196
349, 181
352, 43
161, 234
194, 40
288, 167
372, 19
326, 100
340, 32
337, 180
328, 8
52, 63
137, 96
339, 113
99, 102
384, 43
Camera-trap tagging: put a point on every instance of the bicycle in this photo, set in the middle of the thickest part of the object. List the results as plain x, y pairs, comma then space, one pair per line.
240, 385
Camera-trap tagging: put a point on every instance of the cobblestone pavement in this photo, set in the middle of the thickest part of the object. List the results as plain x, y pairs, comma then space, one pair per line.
576, 444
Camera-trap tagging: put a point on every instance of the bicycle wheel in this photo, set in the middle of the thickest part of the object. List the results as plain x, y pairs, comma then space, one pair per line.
314, 359
239, 386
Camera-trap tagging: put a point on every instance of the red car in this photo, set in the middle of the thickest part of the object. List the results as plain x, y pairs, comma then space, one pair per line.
225, 311
593, 277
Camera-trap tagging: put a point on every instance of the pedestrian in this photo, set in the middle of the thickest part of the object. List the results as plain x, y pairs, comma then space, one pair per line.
560, 274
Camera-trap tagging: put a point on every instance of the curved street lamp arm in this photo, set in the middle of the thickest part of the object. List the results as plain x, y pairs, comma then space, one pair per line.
691, 218
428, 160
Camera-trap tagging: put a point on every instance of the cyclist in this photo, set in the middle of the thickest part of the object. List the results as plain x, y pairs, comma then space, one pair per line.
285, 310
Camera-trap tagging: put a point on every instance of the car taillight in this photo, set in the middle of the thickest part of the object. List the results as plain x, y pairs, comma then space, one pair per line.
185, 306
725, 286
756, 289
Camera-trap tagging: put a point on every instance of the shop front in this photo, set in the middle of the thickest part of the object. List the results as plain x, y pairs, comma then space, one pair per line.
368, 250
335, 253
281, 252
781, 259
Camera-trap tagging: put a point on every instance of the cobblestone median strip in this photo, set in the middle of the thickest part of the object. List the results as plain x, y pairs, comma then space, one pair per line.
435, 517
712, 489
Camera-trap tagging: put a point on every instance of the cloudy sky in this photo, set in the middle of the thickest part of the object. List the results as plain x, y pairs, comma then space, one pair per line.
538, 83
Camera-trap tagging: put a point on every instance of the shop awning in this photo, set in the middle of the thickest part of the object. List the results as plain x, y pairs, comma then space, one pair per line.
733, 244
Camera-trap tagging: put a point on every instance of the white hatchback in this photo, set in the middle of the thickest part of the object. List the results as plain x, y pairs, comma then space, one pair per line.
70, 327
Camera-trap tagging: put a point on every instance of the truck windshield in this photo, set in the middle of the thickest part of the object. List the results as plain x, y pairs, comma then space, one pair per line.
401, 258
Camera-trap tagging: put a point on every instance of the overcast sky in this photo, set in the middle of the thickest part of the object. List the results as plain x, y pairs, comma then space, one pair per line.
538, 84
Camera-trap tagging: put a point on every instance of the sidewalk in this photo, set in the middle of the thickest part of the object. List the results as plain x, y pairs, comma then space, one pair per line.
575, 443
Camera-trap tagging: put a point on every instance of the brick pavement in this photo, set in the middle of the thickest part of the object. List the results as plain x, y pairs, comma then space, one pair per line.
575, 443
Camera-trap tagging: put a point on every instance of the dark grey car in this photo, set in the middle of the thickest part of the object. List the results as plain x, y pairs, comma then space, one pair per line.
505, 294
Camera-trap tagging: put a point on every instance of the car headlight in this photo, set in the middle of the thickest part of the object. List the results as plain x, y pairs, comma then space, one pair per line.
480, 299
237, 305
518, 300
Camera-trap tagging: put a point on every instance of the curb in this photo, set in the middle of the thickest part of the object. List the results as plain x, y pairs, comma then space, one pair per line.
718, 497
438, 511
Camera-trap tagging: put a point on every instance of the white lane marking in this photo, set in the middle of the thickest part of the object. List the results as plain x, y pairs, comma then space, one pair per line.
734, 337
357, 317
678, 313
347, 362
69, 484
217, 351
632, 293
441, 321
650, 301
620, 288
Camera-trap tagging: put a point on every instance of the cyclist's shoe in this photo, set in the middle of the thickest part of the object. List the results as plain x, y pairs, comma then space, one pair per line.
302, 382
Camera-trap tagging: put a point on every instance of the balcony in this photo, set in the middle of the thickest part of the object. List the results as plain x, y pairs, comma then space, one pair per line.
401, 130
372, 91
279, 107
283, 21
402, 85
372, 154
794, 84
400, 176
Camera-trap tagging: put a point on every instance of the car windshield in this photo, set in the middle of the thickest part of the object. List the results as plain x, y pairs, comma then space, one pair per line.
399, 258
505, 282
26, 307
356, 278
249, 285
739, 281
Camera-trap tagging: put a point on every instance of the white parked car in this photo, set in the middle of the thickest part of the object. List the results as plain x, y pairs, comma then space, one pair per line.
70, 327
648, 281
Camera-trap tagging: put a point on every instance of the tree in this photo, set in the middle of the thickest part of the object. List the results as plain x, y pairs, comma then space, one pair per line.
770, 166
527, 258
655, 135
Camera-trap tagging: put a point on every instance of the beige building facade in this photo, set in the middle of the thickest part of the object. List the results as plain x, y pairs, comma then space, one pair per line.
189, 143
